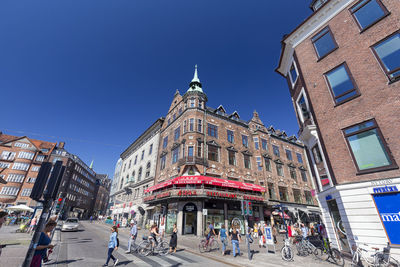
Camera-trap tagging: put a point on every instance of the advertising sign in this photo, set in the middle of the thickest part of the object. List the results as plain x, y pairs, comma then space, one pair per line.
388, 207
268, 235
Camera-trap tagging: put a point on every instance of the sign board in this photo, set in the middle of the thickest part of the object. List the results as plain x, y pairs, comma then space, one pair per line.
205, 212
269, 239
387, 204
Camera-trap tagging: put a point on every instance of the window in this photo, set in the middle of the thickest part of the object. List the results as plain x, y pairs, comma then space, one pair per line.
316, 154
293, 74
162, 162
299, 158
297, 195
174, 116
293, 173
151, 149
271, 191
246, 160
142, 157
40, 158
259, 165
133, 176
264, 145
139, 177
303, 175
279, 169
289, 154
199, 125
4, 165
212, 130
184, 126
231, 157
308, 196
368, 146
26, 192
199, 149
230, 136
177, 133
324, 43
341, 84
190, 151
16, 178
368, 12
256, 144
148, 169
21, 145
200, 104
303, 109
267, 162
191, 125
25, 155
388, 53
9, 191
192, 103
129, 165
165, 142
135, 160
7, 155
20, 166
245, 141
276, 150
283, 194
212, 153
180, 111
169, 121
31, 180
175, 155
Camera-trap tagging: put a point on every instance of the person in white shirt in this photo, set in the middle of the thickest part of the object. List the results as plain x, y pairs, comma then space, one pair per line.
132, 236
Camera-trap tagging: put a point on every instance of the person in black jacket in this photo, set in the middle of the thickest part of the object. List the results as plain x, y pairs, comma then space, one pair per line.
174, 240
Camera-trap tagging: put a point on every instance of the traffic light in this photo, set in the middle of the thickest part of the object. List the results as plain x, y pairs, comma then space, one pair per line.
249, 208
58, 204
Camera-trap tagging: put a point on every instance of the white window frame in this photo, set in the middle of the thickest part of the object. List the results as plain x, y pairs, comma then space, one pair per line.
299, 111
290, 75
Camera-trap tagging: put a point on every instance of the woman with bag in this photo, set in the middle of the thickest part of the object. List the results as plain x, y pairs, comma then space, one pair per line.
43, 245
112, 245
174, 240
223, 236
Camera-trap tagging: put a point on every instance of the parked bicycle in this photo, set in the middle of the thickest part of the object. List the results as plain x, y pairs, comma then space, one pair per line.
373, 258
148, 246
287, 251
304, 247
326, 252
211, 245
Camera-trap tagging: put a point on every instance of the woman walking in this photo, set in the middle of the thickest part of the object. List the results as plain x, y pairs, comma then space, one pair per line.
43, 245
112, 245
235, 239
222, 236
260, 237
174, 240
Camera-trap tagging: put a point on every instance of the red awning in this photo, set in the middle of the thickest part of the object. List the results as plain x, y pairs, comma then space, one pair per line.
207, 180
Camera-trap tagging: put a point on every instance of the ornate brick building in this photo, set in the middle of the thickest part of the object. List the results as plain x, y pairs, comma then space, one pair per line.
209, 160
342, 65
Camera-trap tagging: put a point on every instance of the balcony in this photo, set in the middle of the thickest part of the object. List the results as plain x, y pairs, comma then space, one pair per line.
192, 160
307, 131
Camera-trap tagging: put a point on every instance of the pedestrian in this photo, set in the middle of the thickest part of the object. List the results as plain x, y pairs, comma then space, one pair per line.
43, 245
304, 231
255, 231
235, 239
153, 235
33, 224
274, 234
174, 239
112, 246
260, 237
91, 219
222, 236
3, 217
132, 236
210, 231
290, 232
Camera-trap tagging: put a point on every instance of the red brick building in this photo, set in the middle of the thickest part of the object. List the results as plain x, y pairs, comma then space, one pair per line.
342, 66
20, 160
209, 160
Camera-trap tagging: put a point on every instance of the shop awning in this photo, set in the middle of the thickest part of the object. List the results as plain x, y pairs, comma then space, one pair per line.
181, 180
287, 217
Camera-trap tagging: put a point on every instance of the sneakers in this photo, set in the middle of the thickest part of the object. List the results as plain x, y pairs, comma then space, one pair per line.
127, 251
116, 262
105, 265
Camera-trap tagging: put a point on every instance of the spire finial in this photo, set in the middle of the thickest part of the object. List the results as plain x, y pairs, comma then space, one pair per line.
195, 77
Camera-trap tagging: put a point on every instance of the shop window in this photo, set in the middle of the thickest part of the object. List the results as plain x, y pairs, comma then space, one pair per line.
213, 153
232, 157
341, 84
324, 43
388, 54
368, 12
368, 147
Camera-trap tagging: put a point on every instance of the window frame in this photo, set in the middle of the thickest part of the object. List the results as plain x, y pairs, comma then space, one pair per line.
217, 153
247, 158
384, 9
245, 137
391, 80
232, 135
319, 58
355, 87
294, 65
289, 152
273, 151
230, 152
393, 164
212, 128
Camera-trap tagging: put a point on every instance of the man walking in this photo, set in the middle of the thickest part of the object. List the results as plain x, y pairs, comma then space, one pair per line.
132, 237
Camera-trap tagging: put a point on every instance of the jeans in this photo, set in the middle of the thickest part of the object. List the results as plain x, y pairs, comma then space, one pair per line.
223, 240
235, 244
130, 241
110, 255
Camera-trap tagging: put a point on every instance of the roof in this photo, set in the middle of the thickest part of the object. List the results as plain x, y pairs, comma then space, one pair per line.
39, 144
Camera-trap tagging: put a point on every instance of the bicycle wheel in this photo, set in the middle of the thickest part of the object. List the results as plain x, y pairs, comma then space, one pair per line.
394, 263
202, 246
214, 245
355, 260
319, 253
337, 257
287, 253
144, 248
163, 248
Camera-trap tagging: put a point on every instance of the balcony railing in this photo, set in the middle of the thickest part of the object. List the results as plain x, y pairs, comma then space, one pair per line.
192, 160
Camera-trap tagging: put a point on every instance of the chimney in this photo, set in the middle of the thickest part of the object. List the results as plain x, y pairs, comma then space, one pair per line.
61, 145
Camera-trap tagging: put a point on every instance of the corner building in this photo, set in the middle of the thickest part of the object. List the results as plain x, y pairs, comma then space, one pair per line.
209, 160
342, 66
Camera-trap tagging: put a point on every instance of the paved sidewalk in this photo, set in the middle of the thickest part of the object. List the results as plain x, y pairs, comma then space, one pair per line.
17, 245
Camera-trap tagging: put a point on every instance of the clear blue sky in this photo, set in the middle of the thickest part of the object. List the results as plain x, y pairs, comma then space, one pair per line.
97, 73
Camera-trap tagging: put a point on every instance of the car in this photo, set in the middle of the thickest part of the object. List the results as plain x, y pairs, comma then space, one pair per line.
70, 224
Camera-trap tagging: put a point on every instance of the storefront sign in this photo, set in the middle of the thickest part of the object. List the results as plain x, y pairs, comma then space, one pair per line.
187, 193
205, 212
253, 198
388, 207
220, 194
149, 198
385, 189
328, 197
162, 195
190, 207
268, 235
382, 182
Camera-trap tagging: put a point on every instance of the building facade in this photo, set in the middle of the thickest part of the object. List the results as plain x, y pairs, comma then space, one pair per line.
114, 187
103, 187
342, 66
20, 161
136, 174
209, 160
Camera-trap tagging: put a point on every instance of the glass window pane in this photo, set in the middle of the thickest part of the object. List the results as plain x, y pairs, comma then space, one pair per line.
293, 73
369, 13
339, 81
348, 95
389, 52
324, 45
369, 150
360, 126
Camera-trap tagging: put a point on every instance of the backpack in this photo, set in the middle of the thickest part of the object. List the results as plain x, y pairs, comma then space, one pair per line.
207, 231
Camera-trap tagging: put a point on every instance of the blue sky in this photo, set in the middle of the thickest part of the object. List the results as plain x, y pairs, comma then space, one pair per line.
97, 73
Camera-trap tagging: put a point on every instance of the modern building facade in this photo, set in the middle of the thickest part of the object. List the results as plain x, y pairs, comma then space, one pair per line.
342, 66
210, 160
136, 174
20, 161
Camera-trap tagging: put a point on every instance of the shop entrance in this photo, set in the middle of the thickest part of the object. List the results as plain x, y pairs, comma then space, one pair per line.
189, 219
338, 225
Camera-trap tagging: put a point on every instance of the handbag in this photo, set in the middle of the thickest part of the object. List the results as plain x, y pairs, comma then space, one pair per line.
263, 238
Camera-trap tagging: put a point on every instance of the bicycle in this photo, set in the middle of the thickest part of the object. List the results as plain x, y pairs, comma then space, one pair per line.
146, 247
286, 251
211, 245
326, 252
377, 259
304, 247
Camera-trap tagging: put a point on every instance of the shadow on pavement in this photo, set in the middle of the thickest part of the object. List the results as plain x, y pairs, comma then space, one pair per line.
124, 262
64, 262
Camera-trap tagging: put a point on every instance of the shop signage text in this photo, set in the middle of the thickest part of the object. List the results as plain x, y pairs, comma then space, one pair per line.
187, 193
253, 198
382, 182
149, 198
162, 195
221, 194
385, 189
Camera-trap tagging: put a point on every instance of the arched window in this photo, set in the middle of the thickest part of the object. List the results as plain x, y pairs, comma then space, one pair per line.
139, 174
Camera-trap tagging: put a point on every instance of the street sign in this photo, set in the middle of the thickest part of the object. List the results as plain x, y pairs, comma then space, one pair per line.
205, 212
268, 235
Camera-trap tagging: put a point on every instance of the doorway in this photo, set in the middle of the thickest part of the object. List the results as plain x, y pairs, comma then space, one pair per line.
338, 225
189, 219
